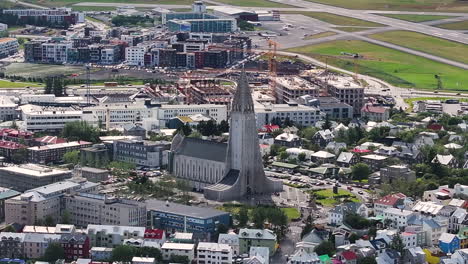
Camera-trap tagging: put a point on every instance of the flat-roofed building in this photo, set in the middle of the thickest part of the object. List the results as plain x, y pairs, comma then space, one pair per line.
178, 249
298, 114
38, 118
87, 208
287, 89
142, 152
8, 47
94, 174
214, 253
30, 176
54, 152
347, 91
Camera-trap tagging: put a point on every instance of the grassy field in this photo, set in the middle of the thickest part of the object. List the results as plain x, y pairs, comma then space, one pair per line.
408, 5
55, 3
416, 18
93, 8
40, 70
396, 67
432, 45
328, 197
320, 35
352, 29
335, 19
463, 25
258, 3
7, 84
291, 213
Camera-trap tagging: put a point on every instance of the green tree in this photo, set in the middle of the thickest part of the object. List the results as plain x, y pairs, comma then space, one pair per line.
57, 87
258, 217
53, 253
283, 155
327, 124
367, 260
308, 132
195, 134
179, 259
65, 218
243, 216
80, 130
360, 171
123, 253
49, 83
356, 221
309, 226
72, 157
149, 252
326, 247
49, 221
185, 129
353, 237
223, 126
301, 157
20, 156
398, 245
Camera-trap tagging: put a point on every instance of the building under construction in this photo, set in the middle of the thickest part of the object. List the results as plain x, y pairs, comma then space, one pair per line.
206, 91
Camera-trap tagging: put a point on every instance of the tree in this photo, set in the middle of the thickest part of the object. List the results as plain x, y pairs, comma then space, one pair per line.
301, 157
179, 259
258, 217
150, 252
327, 124
65, 218
223, 126
185, 129
283, 155
353, 237
356, 221
308, 132
195, 134
123, 253
53, 253
20, 156
48, 89
49, 221
57, 86
309, 226
243, 216
367, 260
398, 245
360, 171
326, 247
72, 157
80, 130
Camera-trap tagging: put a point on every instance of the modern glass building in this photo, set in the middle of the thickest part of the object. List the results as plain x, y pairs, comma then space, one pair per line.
199, 22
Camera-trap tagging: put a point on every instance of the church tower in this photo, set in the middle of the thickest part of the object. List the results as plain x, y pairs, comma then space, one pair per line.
245, 175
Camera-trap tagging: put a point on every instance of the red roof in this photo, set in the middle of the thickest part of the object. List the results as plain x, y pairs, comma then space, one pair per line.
9, 132
11, 145
349, 255
435, 127
270, 128
154, 234
358, 150
50, 140
373, 109
390, 199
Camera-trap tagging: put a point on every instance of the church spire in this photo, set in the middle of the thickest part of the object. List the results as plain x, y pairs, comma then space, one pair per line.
242, 99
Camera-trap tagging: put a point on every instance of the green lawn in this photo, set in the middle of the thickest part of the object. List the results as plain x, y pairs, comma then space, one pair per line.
93, 8
291, 213
335, 19
408, 5
416, 18
425, 43
8, 84
462, 25
256, 3
320, 35
352, 29
326, 196
396, 67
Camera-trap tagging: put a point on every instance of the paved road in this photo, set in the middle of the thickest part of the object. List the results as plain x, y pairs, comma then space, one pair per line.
27, 4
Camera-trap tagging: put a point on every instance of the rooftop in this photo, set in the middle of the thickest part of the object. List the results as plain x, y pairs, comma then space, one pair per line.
178, 246
60, 145
34, 170
179, 209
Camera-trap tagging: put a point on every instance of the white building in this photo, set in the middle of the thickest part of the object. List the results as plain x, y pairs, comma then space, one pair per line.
143, 260
461, 190
37, 118
3, 27
110, 236
8, 47
213, 253
56, 52
217, 112
287, 89
337, 215
117, 113
135, 55
178, 249
398, 217
7, 109
299, 114
86, 209
295, 152
232, 240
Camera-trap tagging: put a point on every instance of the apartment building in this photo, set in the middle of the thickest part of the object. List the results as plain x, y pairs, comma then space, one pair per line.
398, 218
213, 253
256, 238
56, 52
287, 89
109, 236
113, 114
347, 91
54, 152
299, 114
142, 152
95, 209
35, 244
36, 204
38, 118
30, 176
53, 15
7, 109
331, 106
3, 27
178, 249
167, 112
8, 47
135, 55
11, 244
